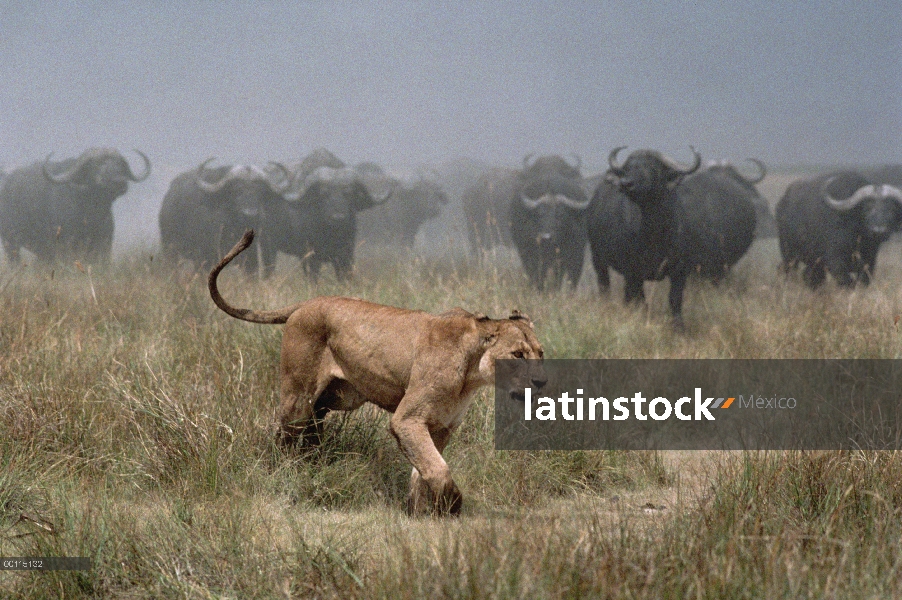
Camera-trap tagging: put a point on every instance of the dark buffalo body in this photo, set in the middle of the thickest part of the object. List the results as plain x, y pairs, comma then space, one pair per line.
836, 223
638, 226
65, 209
891, 174
397, 221
206, 209
721, 219
486, 208
548, 221
738, 185
320, 221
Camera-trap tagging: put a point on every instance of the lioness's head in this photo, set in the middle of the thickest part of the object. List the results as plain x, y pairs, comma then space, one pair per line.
513, 339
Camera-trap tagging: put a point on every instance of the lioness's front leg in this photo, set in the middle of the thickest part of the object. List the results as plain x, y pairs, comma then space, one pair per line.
418, 442
419, 498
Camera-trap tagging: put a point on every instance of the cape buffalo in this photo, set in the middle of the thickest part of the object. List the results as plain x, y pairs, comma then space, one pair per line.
400, 218
486, 208
721, 218
206, 209
638, 225
548, 223
836, 222
57, 209
320, 221
740, 185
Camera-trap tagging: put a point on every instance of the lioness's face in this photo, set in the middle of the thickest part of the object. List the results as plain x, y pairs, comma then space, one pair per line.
516, 341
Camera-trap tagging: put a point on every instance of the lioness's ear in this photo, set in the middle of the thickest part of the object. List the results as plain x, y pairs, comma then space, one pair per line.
516, 315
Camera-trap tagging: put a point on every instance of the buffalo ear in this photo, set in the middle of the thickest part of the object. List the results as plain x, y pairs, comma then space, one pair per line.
362, 199
675, 178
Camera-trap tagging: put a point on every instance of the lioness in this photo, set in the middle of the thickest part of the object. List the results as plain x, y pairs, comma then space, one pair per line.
338, 353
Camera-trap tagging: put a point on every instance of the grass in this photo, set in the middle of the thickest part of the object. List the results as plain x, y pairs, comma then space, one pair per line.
135, 428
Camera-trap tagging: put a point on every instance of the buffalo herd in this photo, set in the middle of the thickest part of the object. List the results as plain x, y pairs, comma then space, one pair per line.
647, 217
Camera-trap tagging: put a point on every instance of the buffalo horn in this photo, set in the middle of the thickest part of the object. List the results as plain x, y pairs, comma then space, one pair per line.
210, 188
67, 175
761, 169
579, 162
286, 181
612, 157
383, 198
247, 173
890, 191
684, 170
867, 191
143, 176
561, 198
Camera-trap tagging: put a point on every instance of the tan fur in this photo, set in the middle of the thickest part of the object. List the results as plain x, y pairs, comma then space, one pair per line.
338, 353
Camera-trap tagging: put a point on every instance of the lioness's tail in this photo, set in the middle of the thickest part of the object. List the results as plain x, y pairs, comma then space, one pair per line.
266, 317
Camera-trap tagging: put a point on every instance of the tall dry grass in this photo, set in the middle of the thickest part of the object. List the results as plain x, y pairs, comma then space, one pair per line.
135, 428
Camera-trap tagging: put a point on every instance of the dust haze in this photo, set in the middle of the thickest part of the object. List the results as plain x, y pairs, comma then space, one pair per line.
456, 86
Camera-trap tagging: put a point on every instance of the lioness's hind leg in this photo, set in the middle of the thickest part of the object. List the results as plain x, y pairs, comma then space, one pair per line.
302, 379
296, 418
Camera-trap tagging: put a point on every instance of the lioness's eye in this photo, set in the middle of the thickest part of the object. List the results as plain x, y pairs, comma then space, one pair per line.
518, 354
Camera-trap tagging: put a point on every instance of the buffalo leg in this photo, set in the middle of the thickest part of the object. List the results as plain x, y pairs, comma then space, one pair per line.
533, 268
869, 260
312, 267
675, 297
12, 252
342, 269
814, 275
633, 291
574, 270
842, 264
268, 256
601, 273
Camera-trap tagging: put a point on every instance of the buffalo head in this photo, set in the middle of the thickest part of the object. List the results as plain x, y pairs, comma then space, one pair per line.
96, 169
245, 188
648, 173
320, 157
730, 170
338, 193
426, 194
550, 165
547, 217
550, 190
880, 205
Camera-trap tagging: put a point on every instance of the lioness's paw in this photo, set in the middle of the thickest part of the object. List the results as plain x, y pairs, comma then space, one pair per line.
449, 503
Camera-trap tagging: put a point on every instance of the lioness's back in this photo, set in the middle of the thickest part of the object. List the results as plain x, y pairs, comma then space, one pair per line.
353, 329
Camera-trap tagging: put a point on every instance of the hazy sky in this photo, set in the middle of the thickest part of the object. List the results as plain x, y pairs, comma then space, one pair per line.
426, 82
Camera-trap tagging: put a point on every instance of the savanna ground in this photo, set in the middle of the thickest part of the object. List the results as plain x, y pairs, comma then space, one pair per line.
135, 430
